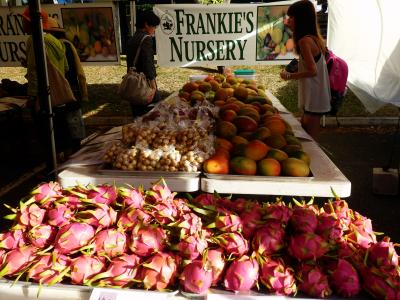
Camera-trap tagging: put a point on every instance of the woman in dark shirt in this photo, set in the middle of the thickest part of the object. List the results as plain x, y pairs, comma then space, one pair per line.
146, 24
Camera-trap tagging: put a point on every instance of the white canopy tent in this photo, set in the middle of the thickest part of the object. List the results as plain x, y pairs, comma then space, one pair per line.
366, 34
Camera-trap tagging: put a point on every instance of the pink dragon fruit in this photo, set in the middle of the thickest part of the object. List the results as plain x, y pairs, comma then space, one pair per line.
204, 200
49, 269
31, 215
59, 216
215, 261
71, 201
164, 212
313, 282
251, 220
233, 243
305, 246
17, 259
121, 272
380, 285
228, 223
359, 237
110, 243
242, 274
345, 280
304, 219
240, 205
329, 227
346, 250
269, 238
84, 267
159, 193
278, 211
102, 216
131, 217
131, 197
361, 232
47, 192
181, 206
159, 271
146, 240
104, 194
42, 236
191, 246
195, 278
340, 209
72, 237
2, 255
12, 239
383, 254
188, 224
276, 277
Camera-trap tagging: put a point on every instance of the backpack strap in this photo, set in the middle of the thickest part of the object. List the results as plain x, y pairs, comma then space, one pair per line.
138, 50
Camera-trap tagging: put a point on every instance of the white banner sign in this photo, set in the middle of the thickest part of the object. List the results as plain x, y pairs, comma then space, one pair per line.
234, 34
90, 27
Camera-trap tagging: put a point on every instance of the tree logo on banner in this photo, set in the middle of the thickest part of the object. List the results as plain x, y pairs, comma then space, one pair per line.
167, 24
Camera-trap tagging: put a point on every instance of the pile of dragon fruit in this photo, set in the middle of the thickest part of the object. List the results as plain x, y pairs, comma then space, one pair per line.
153, 239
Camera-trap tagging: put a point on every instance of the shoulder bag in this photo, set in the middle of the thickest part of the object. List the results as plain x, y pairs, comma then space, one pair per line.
60, 90
135, 87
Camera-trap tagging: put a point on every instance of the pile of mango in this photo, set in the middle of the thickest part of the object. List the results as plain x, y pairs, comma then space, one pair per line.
251, 136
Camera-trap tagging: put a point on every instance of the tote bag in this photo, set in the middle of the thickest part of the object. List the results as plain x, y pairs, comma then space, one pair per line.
60, 90
135, 87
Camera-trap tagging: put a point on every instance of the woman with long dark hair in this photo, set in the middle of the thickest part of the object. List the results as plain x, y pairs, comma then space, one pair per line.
314, 93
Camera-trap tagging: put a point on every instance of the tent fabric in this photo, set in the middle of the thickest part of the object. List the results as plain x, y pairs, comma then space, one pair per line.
365, 33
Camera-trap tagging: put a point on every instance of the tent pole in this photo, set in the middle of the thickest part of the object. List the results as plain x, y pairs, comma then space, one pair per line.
43, 86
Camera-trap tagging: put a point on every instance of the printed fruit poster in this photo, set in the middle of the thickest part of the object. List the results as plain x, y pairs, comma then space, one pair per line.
274, 39
91, 30
91, 27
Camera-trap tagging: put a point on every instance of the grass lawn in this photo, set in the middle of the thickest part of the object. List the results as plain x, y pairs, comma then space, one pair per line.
103, 83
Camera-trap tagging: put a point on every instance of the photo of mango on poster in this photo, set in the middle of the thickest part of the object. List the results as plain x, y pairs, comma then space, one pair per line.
274, 39
92, 32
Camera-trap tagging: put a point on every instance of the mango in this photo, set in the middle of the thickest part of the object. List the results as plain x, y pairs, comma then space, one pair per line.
256, 150
216, 164
261, 134
190, 87
289, 149
232, 106
226, 129
215, 86
269, 167
205, 87
277, 154
250, 112
277, 126
241, 93
223, 143
243, 166
228, 115
276, 141
221, 94
245, 123
301, 155
295, 167
237, 139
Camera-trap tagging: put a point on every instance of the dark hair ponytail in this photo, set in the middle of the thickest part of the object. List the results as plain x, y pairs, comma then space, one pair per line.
305, 23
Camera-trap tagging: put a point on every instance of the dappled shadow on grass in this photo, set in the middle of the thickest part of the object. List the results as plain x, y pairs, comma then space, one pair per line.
105, 102
287, 95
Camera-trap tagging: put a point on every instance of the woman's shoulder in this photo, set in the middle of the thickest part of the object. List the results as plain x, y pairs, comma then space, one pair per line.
307, 39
